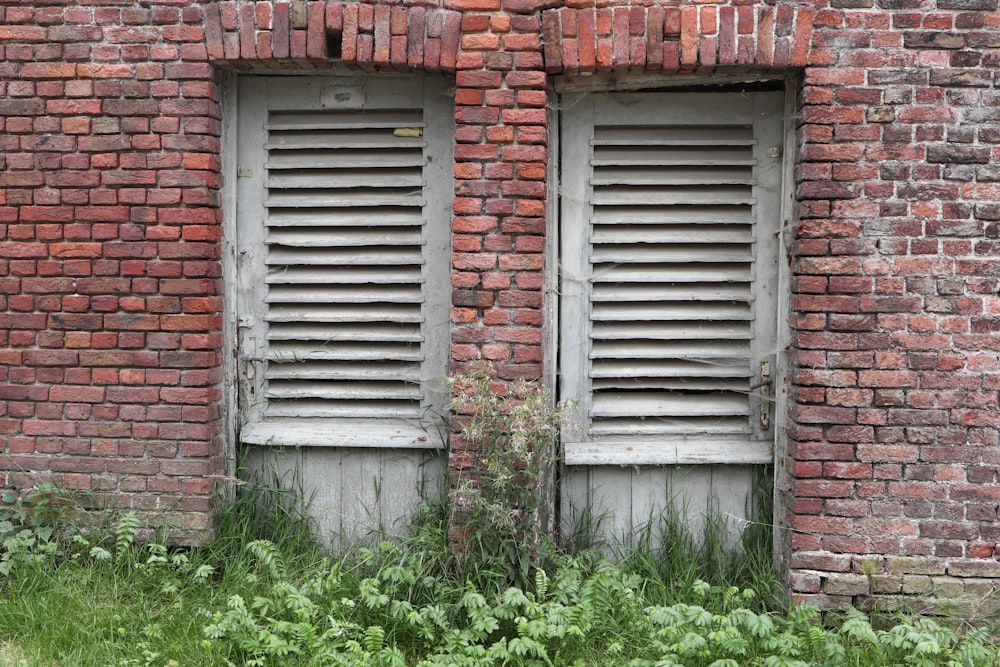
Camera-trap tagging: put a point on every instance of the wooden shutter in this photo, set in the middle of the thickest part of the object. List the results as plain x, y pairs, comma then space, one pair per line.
669, 242
347, 327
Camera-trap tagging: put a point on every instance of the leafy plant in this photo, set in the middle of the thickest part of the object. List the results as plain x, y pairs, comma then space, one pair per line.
27, 536
264, 594
510, 429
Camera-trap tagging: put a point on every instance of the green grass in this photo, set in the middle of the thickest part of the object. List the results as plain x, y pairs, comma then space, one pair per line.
265, 594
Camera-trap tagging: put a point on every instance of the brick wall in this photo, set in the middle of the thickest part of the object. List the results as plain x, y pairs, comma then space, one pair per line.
110, 311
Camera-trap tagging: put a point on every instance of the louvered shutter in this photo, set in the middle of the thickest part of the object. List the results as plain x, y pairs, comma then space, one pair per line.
347, 237
669, 222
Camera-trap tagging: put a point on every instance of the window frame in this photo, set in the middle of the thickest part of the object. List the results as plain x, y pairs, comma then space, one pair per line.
248, 423
578, 447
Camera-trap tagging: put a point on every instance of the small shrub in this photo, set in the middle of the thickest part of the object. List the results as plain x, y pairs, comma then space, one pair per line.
511, 430
29, 528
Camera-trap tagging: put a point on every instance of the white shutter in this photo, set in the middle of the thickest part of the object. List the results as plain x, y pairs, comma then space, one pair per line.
669, 261
347, 328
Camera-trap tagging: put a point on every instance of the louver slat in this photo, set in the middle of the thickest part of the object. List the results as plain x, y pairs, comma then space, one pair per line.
671, 266
344, 239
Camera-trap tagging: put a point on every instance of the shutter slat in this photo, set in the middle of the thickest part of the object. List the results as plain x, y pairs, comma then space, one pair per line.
336, 349
352, 313
344, 217
344, 178
662, 328
343, 391
662, 404
345, 198
649, 253
687, 175
672, 213
334, 256
669, 292
318, 120
344, 158
669, 427
643, 349
677, 273
306, 408
310, 370
673, 135
723, 195
717, 314
611, 234
344, 237
668, 368
632, 384
671, 279
306, 335
349, 294
344, 141
405, 274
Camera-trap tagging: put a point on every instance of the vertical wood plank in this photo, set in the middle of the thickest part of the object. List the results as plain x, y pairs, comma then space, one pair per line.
574, 499
400, 484
611, 500
649, 501
322, 469
362, 476
731, 490
689, 489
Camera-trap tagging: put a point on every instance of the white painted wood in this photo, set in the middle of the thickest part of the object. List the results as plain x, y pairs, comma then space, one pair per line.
649, 489
362, 486
317, 433
732, 491
783, 326
650, 350
323, 472
608, 234
308, 409
357, 495
231, 417
688, 495
769, 131
342, 291
667, 403
676, 452
638, 168
707, 215
611, 504
669, 368
640, 254
347, 224
629, 502
676, 213
250, 269
574, 499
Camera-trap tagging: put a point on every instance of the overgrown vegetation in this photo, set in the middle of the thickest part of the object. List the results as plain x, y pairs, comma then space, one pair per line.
499, 503
264, 594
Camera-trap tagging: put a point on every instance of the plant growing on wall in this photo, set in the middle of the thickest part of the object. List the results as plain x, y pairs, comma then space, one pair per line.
510, 430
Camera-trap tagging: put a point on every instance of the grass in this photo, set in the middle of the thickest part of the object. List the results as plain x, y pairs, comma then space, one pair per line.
265, 594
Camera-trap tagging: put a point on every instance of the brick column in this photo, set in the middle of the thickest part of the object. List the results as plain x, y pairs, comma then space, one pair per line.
500, 190
110, 260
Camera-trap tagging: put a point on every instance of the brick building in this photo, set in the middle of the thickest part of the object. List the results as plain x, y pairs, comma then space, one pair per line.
740, 234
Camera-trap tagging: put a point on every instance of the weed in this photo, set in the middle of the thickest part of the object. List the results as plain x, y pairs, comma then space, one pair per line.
265, 595
511, 430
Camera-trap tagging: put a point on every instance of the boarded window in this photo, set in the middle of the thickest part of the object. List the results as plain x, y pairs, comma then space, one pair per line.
344, 198
668, 248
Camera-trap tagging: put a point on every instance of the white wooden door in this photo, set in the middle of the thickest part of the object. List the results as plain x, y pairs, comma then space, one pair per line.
342, 289
668, 248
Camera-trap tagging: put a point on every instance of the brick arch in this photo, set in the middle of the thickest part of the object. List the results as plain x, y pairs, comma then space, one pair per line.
676, 39
372, 37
